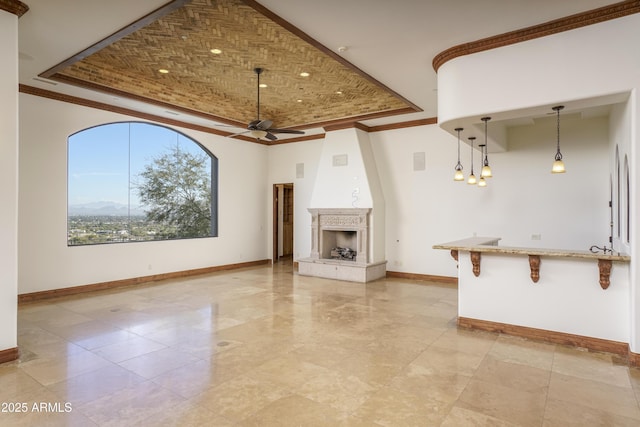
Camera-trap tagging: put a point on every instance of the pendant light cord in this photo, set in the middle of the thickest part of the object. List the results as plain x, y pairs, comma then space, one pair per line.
459, 165
486, 147
558, 153
258, 71
485, 150
472, 139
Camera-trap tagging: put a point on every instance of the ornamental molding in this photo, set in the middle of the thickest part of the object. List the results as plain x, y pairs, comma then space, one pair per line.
590, 17
341, 220
14, 6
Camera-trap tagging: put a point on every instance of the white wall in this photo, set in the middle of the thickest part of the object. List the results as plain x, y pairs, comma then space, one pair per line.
8, 179
522, 199
282, 169
45, 260
620, 137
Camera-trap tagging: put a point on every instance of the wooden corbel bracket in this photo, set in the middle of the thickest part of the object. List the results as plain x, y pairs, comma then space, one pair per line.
604, 265
454, 254
534, 264
475, 261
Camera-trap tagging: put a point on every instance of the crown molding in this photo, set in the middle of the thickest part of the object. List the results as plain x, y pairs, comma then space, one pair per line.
297, 139
31, 90
44, 93
590, 17
14, 6
346, 125
402, 125
380, 128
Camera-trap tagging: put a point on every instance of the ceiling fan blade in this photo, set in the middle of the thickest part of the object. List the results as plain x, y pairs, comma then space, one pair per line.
219, 125
237, 134
264, 125
298, 132
271, 136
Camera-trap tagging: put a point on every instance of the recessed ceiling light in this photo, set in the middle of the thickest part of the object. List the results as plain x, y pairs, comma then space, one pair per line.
304, 74
163, 71
263, 85
338, 92
299, 100
216, 51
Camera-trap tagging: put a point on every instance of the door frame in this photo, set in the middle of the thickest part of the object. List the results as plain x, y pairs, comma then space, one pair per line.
276, 217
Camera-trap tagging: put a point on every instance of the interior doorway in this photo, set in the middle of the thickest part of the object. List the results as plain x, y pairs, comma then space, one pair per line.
283, 221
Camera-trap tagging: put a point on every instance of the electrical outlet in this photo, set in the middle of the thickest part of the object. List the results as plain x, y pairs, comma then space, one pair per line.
536, 237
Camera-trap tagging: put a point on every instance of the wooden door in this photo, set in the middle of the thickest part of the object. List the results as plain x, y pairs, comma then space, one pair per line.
287, 221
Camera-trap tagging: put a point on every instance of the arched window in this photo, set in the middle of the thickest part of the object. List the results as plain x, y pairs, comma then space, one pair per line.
627, 191
132, 182
618, 189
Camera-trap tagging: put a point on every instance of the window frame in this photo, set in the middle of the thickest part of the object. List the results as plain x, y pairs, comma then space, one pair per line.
214, 183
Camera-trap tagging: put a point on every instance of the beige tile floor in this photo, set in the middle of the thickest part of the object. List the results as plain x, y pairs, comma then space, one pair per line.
266, 347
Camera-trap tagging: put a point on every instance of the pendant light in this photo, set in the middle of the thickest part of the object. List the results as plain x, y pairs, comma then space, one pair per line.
458, 176
486, 169
558, 164
472, 178
482, 182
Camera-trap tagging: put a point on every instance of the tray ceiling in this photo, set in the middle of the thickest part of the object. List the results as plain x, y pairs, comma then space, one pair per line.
180, 37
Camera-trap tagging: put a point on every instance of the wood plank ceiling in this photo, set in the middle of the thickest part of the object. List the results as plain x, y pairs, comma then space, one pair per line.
210, 49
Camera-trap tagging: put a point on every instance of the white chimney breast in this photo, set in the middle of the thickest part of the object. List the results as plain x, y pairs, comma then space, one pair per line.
349, 185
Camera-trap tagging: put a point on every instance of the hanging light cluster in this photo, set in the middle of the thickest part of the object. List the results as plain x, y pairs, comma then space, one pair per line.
486, 172
484, 158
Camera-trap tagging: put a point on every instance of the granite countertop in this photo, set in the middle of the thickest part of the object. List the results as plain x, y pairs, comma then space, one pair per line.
490, 245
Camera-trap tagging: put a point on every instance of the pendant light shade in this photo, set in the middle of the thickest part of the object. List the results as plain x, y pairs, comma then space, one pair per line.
486, 169
558, 164
459, 175
472, 178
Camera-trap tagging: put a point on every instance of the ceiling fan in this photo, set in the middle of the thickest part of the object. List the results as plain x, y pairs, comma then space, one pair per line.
262, 128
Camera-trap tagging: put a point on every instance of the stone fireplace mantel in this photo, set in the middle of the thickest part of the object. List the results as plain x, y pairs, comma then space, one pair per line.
331, 227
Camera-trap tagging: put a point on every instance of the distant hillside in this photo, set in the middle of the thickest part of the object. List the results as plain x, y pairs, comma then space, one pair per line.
104, 209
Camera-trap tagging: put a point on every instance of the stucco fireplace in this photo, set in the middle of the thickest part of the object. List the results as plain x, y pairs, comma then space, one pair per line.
340, 246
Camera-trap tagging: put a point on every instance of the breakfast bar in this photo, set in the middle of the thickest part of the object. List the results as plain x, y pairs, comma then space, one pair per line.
574, 292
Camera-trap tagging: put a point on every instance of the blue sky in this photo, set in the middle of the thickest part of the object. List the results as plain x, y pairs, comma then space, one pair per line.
101, 160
